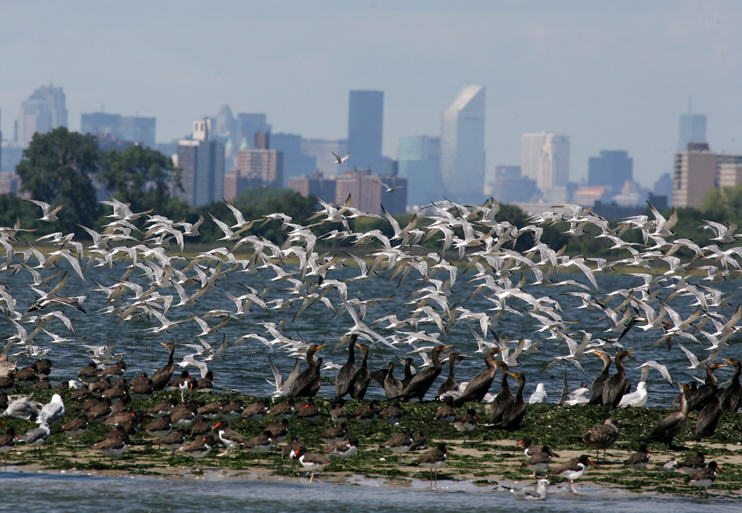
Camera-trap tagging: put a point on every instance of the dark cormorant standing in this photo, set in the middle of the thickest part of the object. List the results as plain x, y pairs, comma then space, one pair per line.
731, 397
450, 384
480, 384
307, 382
362, 376
503, 399
667, 428
708, 417
422, 381
161, 377
514, 413
705, 393
617, 385
596, 389
344, 379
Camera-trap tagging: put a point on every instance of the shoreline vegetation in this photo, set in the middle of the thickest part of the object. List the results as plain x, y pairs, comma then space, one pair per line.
484, 456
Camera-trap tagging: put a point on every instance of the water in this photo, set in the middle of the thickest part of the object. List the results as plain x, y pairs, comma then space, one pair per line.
45, 493
244, 367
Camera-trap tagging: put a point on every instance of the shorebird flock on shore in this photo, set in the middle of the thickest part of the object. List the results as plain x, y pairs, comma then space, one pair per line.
454, 254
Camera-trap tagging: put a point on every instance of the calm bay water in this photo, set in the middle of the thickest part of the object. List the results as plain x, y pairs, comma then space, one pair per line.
44, 493
244, 367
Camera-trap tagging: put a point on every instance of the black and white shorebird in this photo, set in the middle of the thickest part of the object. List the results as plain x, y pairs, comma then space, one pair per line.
312, 462
539, 462
574, 469
704, 477
230, 438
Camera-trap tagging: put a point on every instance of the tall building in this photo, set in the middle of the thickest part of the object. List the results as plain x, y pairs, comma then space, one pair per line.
314, 184
365, 127
691, 129
611, 169
663, 187
321, 151
419, 158
545, 158
295, 163
510, 186
42, 112
248, 125
367, 191
135, 129
730, 174
462, 145
201, 160
256, 167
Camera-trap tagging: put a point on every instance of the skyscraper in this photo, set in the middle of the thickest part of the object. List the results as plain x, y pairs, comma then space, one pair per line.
136, 129
545, 158
201, 160
691, 129
249, 124
462, 145
365, 127
419, 159
295, 163
611, 169
42, 112
321, 151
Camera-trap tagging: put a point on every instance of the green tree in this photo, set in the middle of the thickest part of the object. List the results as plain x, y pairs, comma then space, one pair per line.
723, 205
57, 167
140, 177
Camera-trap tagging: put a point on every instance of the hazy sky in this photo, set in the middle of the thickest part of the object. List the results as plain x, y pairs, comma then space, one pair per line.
611, 75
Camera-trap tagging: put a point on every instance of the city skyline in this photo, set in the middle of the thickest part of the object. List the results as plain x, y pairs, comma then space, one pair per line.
617, 76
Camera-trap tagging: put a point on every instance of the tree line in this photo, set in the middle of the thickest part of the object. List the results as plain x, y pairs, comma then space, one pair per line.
68, 168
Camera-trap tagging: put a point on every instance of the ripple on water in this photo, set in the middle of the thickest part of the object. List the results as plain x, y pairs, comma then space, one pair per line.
41, 492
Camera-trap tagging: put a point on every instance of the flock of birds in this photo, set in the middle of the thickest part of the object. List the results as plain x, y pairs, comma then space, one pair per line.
458, 258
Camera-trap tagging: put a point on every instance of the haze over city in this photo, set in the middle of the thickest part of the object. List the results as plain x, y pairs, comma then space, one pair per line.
609, 76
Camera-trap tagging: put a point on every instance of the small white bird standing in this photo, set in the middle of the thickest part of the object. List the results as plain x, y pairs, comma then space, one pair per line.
539, 395
636, 399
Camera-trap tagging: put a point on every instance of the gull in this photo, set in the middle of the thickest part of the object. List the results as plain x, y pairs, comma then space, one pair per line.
578, 396
387, 188
51, 411
528, 493
22, 408
49, 214
539, 395
190, 360
724, 234
165, 323
228, 233
339, 159
240, 224
102, 355
693, 359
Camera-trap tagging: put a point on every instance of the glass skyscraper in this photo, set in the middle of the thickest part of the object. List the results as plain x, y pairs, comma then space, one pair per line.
462, 145
419, 162
692, 129
365, 128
